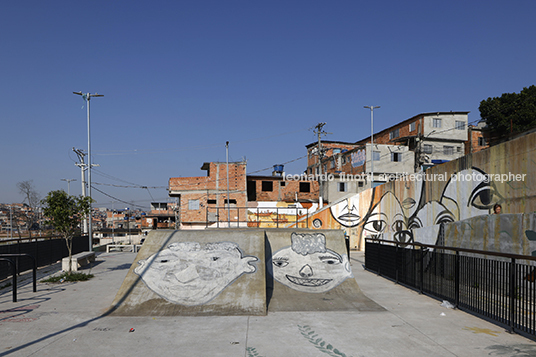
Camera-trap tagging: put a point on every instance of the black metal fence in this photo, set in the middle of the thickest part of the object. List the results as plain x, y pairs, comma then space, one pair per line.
45, 250
495, 286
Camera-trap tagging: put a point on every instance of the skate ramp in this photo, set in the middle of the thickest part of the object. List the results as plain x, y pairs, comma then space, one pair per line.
208, 272
309, 270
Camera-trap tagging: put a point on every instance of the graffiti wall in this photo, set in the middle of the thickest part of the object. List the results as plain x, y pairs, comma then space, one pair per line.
423, 207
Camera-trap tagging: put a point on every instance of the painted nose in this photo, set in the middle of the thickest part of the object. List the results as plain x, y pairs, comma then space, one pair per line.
306, 271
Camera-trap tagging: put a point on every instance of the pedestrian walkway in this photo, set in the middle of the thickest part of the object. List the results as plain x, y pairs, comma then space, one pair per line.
71, 319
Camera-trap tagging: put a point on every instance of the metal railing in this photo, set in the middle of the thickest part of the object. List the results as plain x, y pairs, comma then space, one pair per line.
14, 271
498, 287
256, 217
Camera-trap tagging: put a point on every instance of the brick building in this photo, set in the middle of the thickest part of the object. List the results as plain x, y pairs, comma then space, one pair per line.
204, 201
478, 138
409, 146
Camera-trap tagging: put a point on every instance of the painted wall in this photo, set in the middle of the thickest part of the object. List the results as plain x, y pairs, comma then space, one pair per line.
455, 191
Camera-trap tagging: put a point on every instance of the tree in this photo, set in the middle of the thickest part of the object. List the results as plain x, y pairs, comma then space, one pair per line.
65, 213
31, 197
510, 113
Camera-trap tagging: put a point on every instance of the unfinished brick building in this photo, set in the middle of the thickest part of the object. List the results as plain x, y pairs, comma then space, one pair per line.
214, 199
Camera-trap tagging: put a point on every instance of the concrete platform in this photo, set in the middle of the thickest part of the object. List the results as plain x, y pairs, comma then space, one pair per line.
196, 273
72, 319
299, 287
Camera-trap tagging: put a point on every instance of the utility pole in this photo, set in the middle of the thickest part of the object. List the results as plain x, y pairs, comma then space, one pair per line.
319, 132
371, 142
87, 97
228, 192
82, 165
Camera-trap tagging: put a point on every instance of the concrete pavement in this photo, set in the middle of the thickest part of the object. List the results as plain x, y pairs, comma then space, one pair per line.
72, 319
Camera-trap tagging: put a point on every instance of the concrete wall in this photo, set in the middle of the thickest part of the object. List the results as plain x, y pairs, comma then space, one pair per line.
451, 192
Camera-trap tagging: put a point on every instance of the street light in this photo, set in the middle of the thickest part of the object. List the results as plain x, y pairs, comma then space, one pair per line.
371, 142
87, 97
68, 185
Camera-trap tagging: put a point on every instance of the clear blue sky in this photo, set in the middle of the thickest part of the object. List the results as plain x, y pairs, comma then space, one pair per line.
180, 78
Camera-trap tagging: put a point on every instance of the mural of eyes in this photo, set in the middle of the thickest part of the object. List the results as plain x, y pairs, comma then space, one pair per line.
398, 226
484, 196
376, 223
444, 217
414, 223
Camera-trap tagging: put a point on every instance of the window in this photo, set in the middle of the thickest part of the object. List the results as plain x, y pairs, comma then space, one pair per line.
336, 151
394, 134
331, 163
282, 184
193, 204
343, 160
436, 123
396, 156
448, 150
412, 126
376, 155
460, 125
427, 148
231, 202
305, 187
459, 149
360, 184
481, 141
211, 202
267, 186
342, 187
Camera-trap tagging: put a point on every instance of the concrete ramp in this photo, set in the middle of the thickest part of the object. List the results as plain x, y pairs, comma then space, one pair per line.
201, 272
309, 270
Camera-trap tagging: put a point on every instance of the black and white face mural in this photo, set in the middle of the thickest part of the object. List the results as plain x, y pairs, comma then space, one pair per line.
308, 266
466, 194
190, 273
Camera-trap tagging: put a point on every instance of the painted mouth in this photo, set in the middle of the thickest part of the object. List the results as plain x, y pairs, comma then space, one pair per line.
349, 217
307, 281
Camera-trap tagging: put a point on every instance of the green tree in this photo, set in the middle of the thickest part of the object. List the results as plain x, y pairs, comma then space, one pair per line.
510, 113
65, 213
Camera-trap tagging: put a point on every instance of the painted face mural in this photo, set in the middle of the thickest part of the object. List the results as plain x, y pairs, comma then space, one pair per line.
470, 194
189, 273
308, 266
346, 212
387, 216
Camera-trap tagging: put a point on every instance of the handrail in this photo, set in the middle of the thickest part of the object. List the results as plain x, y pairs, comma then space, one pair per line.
34, 270
456, 249
14, 270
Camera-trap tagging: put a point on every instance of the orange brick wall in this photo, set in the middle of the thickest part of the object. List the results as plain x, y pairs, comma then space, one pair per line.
472, 146
203, 189
284, 190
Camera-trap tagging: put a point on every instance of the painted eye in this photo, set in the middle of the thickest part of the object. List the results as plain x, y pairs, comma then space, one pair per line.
215, 258
329, 260
484, 196
444, 217
414, 223
398, 226
280, 263
375, 226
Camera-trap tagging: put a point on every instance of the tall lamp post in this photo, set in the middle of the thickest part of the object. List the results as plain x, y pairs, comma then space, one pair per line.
87, 97
68, 185
371, 143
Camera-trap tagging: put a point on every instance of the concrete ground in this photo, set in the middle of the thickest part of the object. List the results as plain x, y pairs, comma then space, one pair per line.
71, 319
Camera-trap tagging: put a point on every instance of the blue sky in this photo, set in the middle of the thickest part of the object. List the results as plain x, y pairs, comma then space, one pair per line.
180, 78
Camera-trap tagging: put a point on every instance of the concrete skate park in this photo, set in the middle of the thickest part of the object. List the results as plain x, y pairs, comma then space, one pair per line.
249, 292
